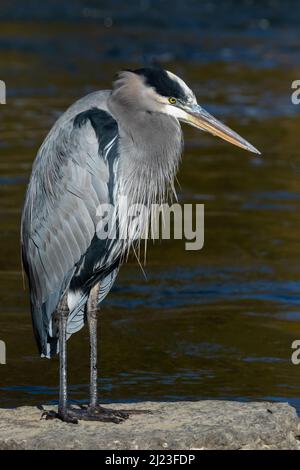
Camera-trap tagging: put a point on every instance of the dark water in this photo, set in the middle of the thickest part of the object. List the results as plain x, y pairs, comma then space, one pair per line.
217, 323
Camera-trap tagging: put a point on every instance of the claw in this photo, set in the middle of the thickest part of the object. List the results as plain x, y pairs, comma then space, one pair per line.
49, 415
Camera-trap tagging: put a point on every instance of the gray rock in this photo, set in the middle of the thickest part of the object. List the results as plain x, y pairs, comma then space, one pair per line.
177, 425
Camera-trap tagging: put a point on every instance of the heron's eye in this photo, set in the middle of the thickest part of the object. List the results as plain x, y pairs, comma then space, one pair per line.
172, 100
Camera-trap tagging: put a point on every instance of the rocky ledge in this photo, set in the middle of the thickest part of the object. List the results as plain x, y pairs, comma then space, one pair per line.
177, 425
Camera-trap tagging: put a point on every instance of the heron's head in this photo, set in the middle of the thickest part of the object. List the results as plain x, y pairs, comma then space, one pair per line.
153, 89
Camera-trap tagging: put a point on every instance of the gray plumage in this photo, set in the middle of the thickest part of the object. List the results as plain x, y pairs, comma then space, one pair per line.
110, 145
72, 175
125, 141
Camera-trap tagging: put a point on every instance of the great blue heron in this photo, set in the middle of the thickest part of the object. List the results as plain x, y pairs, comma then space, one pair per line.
124, 141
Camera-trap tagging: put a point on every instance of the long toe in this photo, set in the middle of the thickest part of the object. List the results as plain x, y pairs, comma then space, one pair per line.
99, 413
124, 413
66, 416
109, 411
107, 414
137, 412
105, 417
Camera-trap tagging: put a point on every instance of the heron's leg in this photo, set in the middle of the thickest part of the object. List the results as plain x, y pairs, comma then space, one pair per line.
61, 314
96, 412
93, 412
92, 311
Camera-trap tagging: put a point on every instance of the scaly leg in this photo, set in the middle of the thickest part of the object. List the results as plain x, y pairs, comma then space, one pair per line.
96, 412
93, 412
63, 413
92, 307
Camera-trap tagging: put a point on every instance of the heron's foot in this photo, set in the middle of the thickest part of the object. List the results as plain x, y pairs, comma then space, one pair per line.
99, 413
91, 413
67, 416
132, 411
100, 410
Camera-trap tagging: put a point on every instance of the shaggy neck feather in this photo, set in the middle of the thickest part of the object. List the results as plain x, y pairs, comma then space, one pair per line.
150, 148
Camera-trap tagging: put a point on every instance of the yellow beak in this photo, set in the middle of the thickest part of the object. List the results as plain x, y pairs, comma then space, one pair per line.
198, 117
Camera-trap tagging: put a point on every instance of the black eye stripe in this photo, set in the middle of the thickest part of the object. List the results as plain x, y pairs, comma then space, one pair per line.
161, 82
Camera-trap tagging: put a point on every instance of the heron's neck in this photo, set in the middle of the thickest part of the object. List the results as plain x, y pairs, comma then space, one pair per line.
150, 147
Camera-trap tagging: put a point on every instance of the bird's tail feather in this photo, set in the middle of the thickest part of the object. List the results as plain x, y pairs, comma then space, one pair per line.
46, 331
